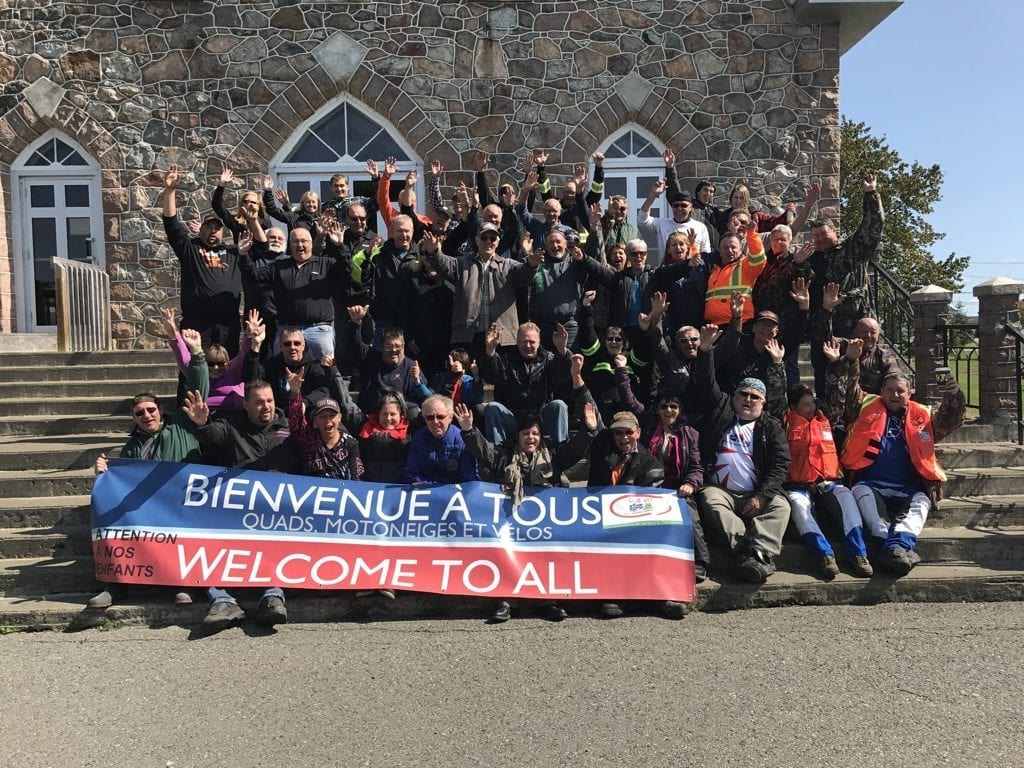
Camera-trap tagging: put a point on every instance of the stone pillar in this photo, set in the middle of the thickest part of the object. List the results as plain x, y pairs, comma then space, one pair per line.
931, 311
997, 370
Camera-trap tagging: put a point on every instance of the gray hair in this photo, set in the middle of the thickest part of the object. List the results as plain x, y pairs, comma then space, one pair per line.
439, 400
784, 229
637, 244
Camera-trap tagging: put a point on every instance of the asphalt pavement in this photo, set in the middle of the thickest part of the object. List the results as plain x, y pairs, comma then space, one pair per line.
887, 685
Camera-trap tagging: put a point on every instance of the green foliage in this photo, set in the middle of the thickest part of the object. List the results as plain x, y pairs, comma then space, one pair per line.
909, 193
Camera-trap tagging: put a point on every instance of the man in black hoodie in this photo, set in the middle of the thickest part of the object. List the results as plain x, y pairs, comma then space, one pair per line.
295, 357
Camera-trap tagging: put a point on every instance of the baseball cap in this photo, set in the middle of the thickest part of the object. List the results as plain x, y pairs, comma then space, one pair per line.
624, 420
327, 404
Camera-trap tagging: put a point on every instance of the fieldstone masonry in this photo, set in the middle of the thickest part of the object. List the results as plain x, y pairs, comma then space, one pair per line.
740, 90
998, 301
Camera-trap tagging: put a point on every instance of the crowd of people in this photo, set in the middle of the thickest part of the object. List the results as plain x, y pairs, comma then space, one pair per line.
486, 341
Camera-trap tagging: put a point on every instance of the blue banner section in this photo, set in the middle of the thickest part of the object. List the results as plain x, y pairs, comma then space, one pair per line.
197, 500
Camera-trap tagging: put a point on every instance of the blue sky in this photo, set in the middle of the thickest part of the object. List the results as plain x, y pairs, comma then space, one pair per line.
941, 79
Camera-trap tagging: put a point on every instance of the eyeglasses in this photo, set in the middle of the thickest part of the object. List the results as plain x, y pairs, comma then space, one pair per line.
750, 395
614, 338
216, 364
689, 339
638, 253
145, 411
293, 343
435, 417
488, 237
668, 406
393, 348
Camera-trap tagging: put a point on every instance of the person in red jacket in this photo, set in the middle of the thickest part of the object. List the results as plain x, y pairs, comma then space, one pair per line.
815, 475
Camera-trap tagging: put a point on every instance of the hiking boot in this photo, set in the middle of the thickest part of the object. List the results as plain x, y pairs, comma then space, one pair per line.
101, 600
897, 560
672, 609
700, 573
829, 567
502, 613
221, 616
862, 567
610, 611
757, 566
552, 612
271, 612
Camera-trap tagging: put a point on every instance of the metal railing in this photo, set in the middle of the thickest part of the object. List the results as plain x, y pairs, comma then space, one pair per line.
83, 306
1018, 338
890, 302
960, 353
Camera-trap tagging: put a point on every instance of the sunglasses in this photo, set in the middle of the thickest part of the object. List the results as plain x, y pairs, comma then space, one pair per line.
145, 411
489, 237
292, 343
668, 406
435, 417
217, 364
750, 395
689, 339
638, 253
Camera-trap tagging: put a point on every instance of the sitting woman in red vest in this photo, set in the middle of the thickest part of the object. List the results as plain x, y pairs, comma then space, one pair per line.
814, 474
889, 456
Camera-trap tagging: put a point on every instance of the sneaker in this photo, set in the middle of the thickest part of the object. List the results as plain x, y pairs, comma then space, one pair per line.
101, 600
862, 567
552, 612
896, 559
271, 612
757, 567
182, 598
223, 615
700, 573
502, 613
611, 611
672, 609
829, 567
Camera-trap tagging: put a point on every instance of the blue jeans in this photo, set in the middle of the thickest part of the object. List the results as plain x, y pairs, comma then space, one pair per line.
501, 422
218, 595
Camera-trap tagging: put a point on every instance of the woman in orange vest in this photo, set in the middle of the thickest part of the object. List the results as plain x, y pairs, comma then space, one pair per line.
814, 476
889, 455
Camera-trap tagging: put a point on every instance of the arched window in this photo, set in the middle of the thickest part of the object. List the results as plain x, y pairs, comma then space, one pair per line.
633, 161
340, 138
58, 213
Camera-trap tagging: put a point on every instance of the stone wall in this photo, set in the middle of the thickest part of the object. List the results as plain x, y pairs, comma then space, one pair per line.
736, 88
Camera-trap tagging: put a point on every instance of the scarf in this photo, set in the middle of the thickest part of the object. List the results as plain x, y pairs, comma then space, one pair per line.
523, 470
372, 426
671, 457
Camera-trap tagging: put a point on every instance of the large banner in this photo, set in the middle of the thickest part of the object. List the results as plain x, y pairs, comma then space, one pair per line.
198, 526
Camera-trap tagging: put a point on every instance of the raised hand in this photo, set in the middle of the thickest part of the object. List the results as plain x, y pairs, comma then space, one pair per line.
813, 194
670, 158
411, 177
803, 253
643, 321
491, 339
371, 168
594, 213
357, 313
436, 169
252, 322
170, 322
245, 240
532, 180
801, 293
172, 178
479, 160
193, 226
196, 408
414, 371
464, 416
775, 350
540, 156
295, 381
831, 297
708, 336
659, 303
620, 361
390, 166
560, 338
282, 197
226, 177
576, 253
580, 177
658, 188
736, 304
588, 298
590, 422
332, 229
831, 350
526, 243
598, 159
576, 367
474, 369
193, 340
854, 349
268, 183
870, 182
430, 244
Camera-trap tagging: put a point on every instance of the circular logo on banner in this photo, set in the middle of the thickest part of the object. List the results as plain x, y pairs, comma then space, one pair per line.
632, 506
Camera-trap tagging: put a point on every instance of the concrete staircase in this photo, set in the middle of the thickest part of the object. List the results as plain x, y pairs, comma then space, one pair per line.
59, 411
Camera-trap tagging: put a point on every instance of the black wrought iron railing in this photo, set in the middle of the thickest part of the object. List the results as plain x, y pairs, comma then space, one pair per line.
1017, 335
894, 312
960, 352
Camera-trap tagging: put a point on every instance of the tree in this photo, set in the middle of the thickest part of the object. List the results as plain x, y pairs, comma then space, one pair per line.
909, 193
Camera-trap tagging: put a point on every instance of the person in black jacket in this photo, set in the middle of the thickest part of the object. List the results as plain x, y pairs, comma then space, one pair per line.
294, 357
425, 310
387, 369
211, 281
746, 458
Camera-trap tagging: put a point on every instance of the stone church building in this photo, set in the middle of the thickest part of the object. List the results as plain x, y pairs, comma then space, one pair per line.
97, 99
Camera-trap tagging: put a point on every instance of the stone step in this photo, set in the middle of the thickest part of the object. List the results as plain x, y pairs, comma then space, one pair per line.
101, 405
45, 512
156, 371
58, 452
980, 455
65, 424
46, 482
991, 481
955, 546
978, 512
930, 583
116, 358
124, 386
972, 432
35, 576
